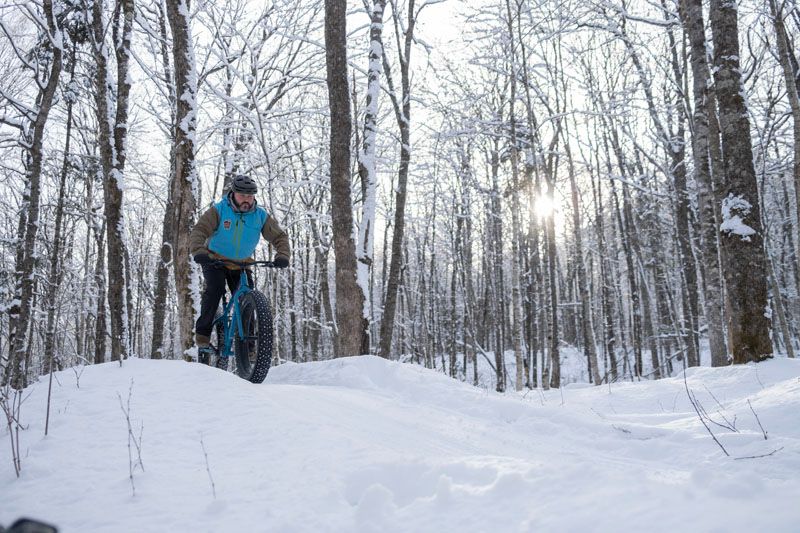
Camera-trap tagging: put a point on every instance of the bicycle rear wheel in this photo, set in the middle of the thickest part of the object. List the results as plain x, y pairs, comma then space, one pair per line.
254, 351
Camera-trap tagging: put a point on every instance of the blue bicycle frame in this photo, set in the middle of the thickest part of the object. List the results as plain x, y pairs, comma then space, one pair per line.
232, 308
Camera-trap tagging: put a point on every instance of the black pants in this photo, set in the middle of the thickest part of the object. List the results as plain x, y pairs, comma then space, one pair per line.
212, 293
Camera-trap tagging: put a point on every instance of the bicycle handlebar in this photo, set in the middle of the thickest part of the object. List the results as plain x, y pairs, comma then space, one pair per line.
245, 264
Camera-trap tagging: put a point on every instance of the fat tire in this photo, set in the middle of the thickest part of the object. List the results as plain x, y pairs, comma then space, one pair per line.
256, 318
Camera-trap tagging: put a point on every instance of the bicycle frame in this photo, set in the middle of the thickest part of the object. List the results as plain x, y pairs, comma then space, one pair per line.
231, 317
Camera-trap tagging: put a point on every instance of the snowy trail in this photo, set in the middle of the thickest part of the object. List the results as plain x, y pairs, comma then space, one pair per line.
361, 444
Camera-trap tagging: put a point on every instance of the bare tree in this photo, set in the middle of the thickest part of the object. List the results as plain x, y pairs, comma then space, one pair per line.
368, 164
56, 270
704, 105
349, 297
183, 184
790, 76
45, 64
166, 255
744, 266
402, 110
112, 121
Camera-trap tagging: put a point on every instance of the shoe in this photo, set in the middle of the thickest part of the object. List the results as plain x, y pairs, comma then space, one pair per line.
204, 354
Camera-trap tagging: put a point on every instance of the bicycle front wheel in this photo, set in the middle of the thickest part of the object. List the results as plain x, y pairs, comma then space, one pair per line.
254, 350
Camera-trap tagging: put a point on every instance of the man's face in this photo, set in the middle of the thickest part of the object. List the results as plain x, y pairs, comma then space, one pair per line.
244, 201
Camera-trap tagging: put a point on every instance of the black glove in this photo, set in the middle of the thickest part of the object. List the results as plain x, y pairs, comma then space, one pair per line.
204, 259
281, 261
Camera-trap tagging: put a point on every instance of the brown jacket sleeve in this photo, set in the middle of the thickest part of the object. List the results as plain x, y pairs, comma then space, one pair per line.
276, 236
203, 230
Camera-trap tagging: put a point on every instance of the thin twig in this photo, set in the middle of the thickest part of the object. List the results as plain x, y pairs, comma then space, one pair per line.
731, 425
708, 417
693, 402
759, 379
757, 419
78, 374
773, 452
208, 468
11, 410
137, 443
592, 409
49, 394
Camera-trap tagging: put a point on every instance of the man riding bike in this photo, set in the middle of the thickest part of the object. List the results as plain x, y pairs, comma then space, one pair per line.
230, 229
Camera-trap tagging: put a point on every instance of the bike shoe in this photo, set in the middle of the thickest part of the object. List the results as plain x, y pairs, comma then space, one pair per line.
204, 354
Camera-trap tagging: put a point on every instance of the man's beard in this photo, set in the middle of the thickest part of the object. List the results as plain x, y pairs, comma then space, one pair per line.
243, 206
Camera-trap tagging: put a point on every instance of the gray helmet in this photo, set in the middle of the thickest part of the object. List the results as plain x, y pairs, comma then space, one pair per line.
244, 184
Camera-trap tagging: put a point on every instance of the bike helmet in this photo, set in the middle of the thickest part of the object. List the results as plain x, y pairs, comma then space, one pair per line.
244, 184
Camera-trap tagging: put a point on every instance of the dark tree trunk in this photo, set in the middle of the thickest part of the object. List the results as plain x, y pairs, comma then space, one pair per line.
402, 111
112, 131
745, 266
55, 275
166, 255
35, 154
349, 298
791, 81
100, 331
678, 169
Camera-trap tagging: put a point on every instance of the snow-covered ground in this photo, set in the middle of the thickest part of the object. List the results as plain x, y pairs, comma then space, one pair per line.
362, 444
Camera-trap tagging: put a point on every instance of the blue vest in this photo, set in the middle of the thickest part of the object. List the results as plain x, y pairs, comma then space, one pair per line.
237, 233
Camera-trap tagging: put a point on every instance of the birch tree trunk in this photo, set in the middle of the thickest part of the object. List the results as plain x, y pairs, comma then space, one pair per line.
349, 297
494, 225
552, 268
518, 332
183, 187
745, 266
367, 166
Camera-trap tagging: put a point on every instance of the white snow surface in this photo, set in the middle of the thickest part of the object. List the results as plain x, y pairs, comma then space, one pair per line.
363, 444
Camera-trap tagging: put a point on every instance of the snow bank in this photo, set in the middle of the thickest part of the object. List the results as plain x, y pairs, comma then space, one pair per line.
363, 444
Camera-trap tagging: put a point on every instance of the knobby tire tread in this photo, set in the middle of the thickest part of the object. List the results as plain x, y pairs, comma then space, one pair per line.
254, 302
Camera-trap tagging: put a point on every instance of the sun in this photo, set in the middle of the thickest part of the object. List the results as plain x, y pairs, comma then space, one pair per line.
544, 206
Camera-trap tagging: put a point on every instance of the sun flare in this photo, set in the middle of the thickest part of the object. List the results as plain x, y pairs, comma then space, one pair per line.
544, 206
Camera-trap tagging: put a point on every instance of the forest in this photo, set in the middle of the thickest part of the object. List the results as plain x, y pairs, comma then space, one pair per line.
465, 184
